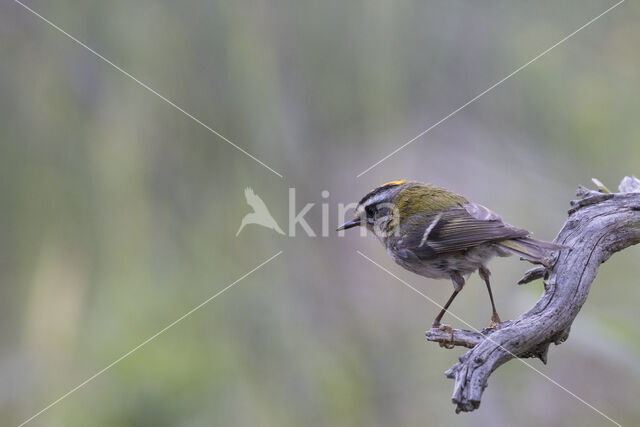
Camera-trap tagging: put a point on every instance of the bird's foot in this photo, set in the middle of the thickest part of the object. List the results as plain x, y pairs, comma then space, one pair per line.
495, 321
445, 328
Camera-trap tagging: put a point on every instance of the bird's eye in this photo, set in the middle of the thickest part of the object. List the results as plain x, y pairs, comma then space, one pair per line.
370, 211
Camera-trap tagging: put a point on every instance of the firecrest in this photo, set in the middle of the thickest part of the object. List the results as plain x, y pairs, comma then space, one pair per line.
439, 234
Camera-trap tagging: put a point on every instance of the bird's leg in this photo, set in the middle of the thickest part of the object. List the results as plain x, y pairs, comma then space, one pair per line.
458, 283
495, 319
436, 321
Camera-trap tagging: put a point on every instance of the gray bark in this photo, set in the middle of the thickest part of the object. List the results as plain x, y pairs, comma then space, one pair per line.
599, 225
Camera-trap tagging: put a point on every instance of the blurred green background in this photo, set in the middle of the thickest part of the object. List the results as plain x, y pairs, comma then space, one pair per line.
118, 213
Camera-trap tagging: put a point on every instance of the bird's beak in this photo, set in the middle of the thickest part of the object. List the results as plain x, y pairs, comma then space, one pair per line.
349, 224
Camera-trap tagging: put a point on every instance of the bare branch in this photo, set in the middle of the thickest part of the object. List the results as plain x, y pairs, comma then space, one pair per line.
599, 225
459, 337
534, 274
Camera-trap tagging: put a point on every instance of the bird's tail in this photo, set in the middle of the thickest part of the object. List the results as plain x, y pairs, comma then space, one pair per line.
532, 250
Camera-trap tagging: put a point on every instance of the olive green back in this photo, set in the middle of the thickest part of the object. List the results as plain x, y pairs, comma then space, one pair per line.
417, 197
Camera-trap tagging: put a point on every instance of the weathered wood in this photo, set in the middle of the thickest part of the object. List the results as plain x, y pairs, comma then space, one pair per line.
599, 225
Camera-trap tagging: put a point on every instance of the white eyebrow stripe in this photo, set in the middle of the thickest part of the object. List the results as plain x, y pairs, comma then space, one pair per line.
377, 198
429, 228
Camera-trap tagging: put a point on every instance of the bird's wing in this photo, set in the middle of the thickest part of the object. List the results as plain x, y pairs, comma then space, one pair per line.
254, 200
455, 229
249, 194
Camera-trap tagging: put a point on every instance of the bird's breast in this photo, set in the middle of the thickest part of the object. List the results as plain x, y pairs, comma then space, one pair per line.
441, 266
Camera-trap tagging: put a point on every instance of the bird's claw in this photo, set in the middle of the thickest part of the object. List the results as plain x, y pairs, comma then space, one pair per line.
449, 329
496, 323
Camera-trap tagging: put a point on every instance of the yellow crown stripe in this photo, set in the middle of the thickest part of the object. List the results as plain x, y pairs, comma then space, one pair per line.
398, 182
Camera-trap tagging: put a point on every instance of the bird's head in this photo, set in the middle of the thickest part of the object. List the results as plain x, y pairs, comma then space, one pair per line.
377, 210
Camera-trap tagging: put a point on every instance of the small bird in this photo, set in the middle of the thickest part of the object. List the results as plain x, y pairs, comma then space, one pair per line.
439, 234
260, 214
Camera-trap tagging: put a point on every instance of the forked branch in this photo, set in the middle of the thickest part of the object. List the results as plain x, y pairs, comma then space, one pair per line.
599, 225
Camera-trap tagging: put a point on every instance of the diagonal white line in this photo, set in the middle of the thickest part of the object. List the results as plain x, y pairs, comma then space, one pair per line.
489, 339
143, 343
493, 86
147, 87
